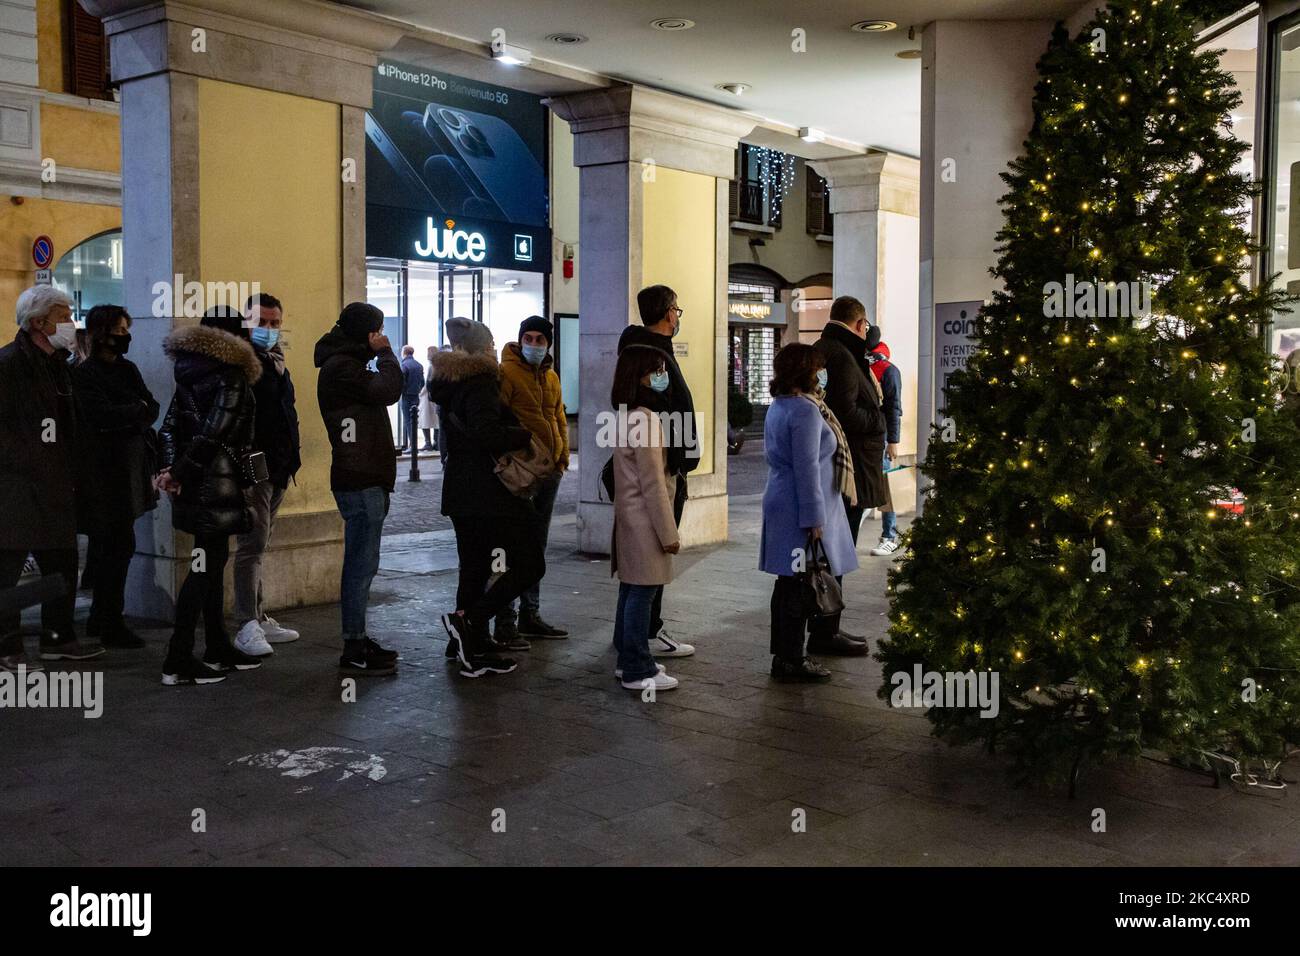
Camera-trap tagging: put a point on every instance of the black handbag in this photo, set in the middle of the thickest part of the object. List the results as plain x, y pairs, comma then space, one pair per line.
821, 593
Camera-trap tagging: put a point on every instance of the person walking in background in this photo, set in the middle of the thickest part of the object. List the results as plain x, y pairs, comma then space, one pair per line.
891, 395
206, 442
412, 385
354, 399
530, 388
428, 413
645, 532
119, 451
501, 555
275, 435
38, 473
810, 470
852, 395
661, 321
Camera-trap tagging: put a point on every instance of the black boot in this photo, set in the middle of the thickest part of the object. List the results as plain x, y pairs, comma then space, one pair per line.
532, 625
805, 671
838, 645
506, 637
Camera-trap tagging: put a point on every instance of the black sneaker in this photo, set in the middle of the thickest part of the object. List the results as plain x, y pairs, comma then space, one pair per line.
226, 657
189, 670
505, 637
478, 665
358, 658
457, 634
532, 625
379, 652
806, 671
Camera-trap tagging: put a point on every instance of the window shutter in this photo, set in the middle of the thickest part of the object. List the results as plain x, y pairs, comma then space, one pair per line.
816, 204
88, 54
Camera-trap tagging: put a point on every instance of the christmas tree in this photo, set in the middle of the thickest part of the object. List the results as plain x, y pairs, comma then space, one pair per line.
1077, 540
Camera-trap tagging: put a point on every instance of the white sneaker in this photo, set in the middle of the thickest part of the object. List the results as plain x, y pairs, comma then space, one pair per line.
887, 546
661, 681
661, 645
277, 633
251, 641
618, 671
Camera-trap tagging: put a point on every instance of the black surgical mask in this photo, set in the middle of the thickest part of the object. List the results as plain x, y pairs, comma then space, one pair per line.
120, 344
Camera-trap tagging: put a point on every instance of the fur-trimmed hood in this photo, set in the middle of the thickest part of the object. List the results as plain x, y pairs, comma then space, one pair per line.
447, 370
215, 344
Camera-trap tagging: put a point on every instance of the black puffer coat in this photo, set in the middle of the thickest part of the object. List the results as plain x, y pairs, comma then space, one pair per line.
354, 406
478, 430
209, 423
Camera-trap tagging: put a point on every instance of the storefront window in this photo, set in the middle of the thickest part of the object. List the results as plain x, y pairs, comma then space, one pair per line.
92, 273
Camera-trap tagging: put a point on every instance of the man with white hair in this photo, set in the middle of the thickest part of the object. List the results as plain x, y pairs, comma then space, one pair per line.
37, 481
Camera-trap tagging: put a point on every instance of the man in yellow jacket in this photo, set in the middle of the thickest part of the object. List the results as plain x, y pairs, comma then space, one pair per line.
530, 388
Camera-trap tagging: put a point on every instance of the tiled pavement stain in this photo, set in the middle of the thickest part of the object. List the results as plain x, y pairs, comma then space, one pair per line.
580, 771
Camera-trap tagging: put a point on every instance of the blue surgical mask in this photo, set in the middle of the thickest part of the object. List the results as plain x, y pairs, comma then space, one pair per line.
533, 354
263, 337
821, 378
659, 381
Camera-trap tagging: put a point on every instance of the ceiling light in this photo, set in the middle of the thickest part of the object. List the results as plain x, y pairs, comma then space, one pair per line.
810, 135
908, 54
672, 24
874, 26
566, 39
512, 55
735, 89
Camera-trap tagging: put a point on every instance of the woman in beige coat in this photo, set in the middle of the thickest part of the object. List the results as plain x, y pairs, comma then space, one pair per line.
645, 534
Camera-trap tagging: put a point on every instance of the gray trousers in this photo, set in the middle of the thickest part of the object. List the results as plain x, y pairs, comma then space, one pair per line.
264, 500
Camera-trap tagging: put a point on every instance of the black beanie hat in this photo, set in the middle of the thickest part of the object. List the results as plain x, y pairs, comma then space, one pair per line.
226, 319
535, 323
873, 337
359, 319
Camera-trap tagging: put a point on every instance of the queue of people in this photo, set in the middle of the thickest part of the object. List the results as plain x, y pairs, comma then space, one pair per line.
78, 453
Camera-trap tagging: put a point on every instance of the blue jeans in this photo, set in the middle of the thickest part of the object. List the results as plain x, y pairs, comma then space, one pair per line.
363, 523
888, 520
632, 630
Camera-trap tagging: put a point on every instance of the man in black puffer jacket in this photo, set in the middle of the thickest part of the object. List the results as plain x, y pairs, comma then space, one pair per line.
354, 400
497, 534
206, 437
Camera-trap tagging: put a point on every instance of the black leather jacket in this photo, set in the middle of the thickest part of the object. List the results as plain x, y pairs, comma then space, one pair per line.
208, 426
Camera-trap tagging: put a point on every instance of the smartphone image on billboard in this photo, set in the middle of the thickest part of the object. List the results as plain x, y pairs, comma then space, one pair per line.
500, 163
415, 189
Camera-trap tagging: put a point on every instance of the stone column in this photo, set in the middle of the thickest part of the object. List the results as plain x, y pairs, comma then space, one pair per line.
969, 133
653, 209
238, 122
875, 198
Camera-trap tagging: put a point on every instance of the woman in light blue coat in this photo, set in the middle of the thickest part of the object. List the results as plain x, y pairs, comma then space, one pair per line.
805, 482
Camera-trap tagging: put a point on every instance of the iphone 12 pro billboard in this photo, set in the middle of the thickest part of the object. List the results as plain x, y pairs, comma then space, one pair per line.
456, 171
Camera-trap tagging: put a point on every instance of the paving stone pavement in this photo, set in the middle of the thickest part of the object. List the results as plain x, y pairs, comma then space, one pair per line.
419, 768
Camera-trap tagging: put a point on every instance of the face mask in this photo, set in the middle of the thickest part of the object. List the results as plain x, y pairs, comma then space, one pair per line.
264, 338
64, 337
677, 328
821, 378
533, 354
659, 381
120, 344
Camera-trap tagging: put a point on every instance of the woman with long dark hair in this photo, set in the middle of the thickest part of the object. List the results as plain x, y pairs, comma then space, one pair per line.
119, 449
645, 532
